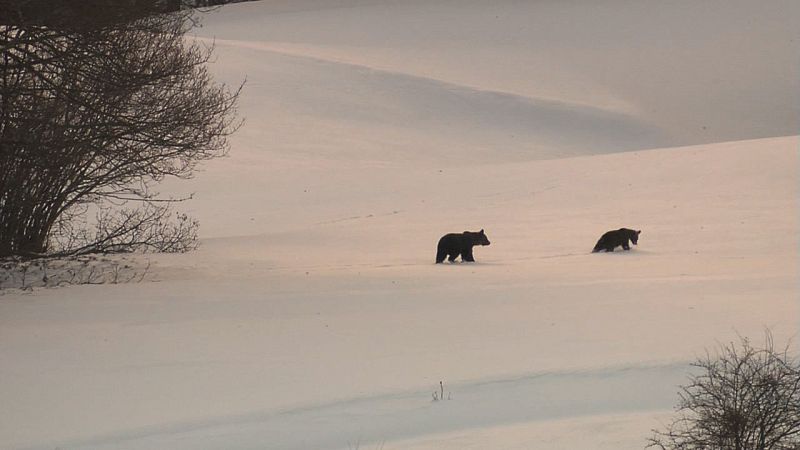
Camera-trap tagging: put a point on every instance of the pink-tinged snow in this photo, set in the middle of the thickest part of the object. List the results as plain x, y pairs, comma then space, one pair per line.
313, 317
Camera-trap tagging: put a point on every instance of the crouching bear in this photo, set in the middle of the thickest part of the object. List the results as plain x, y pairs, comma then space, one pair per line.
454, 244
615, 238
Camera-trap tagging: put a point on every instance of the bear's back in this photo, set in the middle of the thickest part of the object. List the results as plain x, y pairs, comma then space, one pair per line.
452, 239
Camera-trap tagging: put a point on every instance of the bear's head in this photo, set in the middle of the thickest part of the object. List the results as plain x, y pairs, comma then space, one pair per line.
635, 237
478, 238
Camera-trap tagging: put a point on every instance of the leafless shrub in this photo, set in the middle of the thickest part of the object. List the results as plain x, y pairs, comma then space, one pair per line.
98, 100
743, 398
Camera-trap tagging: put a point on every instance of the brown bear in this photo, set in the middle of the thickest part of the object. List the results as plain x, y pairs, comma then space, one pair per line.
615, 238
454, 244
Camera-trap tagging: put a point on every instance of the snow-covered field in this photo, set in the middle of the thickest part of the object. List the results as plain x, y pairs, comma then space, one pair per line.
313, 317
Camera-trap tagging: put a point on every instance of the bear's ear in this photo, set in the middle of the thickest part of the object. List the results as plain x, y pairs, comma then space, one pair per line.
482, 231
638, 231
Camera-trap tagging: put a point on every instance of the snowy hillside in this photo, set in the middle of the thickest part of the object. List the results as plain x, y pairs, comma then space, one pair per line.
514, 80
313, 317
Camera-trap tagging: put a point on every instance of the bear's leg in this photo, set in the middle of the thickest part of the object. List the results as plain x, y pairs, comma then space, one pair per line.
441, 254
452, 257
601, 245
625, 246
609, 249
466, 255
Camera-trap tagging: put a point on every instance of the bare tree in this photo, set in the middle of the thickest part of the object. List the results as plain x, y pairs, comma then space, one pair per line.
97, 102
742, 398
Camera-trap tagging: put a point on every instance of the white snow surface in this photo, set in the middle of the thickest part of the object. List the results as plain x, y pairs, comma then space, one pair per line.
313, 317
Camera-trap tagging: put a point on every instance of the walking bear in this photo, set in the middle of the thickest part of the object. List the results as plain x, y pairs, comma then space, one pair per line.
615, 238
454, 244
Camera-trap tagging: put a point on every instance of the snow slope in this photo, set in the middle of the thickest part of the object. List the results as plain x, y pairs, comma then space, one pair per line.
313, 317
335, 333
668, 73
